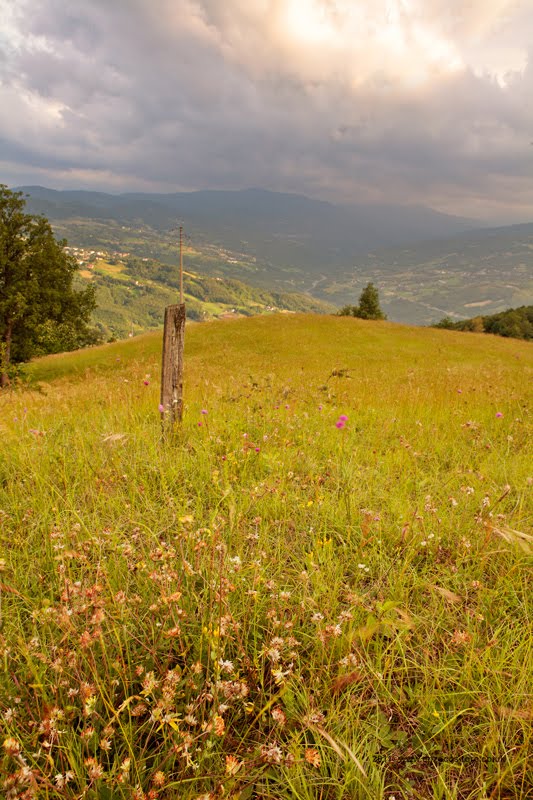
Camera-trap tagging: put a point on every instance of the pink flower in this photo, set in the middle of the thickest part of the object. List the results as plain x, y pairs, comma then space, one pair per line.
343, 418
203, 411
340, 424
161, 408
146, 382
499, 414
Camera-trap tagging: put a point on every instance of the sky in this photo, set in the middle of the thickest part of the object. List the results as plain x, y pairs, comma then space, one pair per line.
424, 102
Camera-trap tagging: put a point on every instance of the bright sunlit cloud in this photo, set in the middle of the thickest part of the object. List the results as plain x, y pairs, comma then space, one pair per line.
407, 41
308, 21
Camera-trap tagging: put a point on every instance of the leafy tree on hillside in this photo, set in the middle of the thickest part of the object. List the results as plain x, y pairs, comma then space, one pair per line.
368, 308
516, 323
40, 312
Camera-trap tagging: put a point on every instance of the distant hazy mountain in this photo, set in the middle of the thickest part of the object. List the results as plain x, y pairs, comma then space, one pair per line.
285, 229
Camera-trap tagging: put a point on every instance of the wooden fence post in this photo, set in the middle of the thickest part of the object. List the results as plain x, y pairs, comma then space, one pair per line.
171, 407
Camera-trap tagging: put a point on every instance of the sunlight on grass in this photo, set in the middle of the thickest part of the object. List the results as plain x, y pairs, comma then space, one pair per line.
270, 604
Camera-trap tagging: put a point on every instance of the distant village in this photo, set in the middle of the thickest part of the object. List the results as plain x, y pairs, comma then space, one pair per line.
87, 258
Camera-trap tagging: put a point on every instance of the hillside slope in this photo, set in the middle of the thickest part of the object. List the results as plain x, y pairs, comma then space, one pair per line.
132, 294
319, 586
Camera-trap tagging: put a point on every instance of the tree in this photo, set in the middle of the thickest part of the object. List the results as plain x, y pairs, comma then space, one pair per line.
368, 308
36, 292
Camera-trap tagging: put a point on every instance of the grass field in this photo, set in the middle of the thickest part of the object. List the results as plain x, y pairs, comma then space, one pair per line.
318, 589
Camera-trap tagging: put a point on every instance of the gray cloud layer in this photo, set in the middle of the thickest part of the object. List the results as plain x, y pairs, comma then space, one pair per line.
419, 101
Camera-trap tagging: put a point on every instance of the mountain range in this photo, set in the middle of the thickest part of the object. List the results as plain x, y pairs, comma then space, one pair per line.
426, 264
284, 228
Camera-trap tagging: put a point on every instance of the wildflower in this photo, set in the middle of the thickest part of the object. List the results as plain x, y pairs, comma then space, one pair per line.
233, 765
149, 683
350, 660
203, 411
271, 754
219, 725
273, 654
125, 766
159, 779
341, 422
146, 382
161, 408
226, 666
279, 716
499, 414
315, 718
312, 757
461, 637
11, 746
279, 674
94, 769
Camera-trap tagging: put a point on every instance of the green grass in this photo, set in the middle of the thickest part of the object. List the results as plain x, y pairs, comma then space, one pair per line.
266, 605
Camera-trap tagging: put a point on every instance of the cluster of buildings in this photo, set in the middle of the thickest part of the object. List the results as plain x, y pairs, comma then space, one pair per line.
86, 258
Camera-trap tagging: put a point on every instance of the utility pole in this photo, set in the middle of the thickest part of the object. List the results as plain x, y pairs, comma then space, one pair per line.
171, 406
181, 264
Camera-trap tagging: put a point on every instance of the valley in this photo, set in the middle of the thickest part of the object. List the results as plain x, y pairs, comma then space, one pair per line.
433, 266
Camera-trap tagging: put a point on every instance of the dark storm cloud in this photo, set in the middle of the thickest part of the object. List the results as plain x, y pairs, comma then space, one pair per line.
205, 93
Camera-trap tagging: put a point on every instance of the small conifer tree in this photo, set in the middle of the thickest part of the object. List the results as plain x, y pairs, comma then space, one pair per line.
368, 308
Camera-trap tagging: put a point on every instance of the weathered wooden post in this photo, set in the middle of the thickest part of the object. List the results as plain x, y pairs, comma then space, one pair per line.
171, 404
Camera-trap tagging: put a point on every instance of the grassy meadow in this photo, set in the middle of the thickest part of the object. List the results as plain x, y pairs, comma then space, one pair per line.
319, 588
